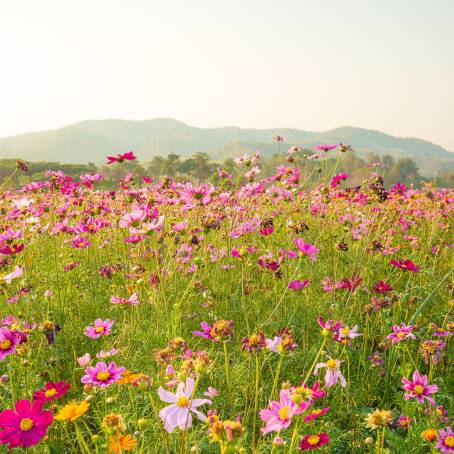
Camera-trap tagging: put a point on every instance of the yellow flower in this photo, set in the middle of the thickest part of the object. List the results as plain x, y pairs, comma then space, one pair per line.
72, 411
120, 443
378, 418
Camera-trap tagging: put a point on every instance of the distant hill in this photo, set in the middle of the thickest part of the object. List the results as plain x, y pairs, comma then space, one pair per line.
92, 140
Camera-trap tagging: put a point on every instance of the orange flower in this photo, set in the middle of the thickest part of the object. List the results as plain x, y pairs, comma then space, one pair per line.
119, 443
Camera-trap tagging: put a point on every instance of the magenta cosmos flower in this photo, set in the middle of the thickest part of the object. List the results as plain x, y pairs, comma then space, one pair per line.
325, 146
418, 388
307, 249
52, 391
446, 441
333, 373
298, 285
102, 375
279, 414
25, 426
8, 342
100, 328
314, 441
182, 405
121, 157
406, 265
401, 333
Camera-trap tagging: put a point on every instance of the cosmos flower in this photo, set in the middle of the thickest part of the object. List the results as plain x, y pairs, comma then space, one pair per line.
102, 375
298, 285
9, 340
121, 157
333, 372
25, 426
446, 440
279, 414
72, 411
132, 300
314, 441
307, 249
178, 414
100, 328
401, 333
52, 391
378, 418
222, 330
8, 278
418, 388
325, 147
406, 265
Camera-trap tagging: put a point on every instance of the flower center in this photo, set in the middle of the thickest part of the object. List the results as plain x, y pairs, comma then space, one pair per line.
50, 392
5, 344
449, 441
26, 424
418, 389
100, 329
331, 364
283, 412
103, 376
183, 401
313, 440
316, 412
400, 335
345, 331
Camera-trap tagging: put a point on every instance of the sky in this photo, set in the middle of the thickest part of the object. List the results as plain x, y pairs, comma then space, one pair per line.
308, 64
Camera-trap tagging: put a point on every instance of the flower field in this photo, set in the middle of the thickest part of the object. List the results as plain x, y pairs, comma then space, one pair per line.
256, 316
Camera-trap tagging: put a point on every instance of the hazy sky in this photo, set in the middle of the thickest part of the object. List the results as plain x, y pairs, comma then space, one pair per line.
311, 64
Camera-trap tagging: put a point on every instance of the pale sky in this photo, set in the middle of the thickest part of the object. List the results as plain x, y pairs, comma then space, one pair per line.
309, 64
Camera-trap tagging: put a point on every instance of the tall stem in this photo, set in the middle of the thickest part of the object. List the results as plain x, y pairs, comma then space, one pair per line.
256, 400
227, 368
276, 377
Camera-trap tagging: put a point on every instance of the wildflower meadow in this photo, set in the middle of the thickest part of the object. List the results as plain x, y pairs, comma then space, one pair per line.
257, 315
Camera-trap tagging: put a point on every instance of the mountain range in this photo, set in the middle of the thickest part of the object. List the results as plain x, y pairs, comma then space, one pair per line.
92, 140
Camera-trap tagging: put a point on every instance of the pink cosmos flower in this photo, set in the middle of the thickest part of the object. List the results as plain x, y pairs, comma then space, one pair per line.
182, 405
316, 413
406, 265
52, 391
8, 278
26, 426
84, 360
382, 287
314, 441
418, 388
9, 340
306, 249
401, 333
298, 285
325, 147
107, 353
102, 375
100, 328
279, 414
344, 334
121, 157
446, 441
337, 179
132, 300
333, 372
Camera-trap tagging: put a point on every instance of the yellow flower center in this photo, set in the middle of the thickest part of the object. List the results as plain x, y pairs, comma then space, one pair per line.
100, 329
400, 335
50, 392
316, 412
331, 364
103, 376
418, 389
26, 424
183, 401
345, 331
313, 440
5, 344
283, 412
449, 441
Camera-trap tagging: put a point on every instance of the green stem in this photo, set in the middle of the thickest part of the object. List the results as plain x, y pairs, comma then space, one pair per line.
227, 368
276, 377
256, 400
